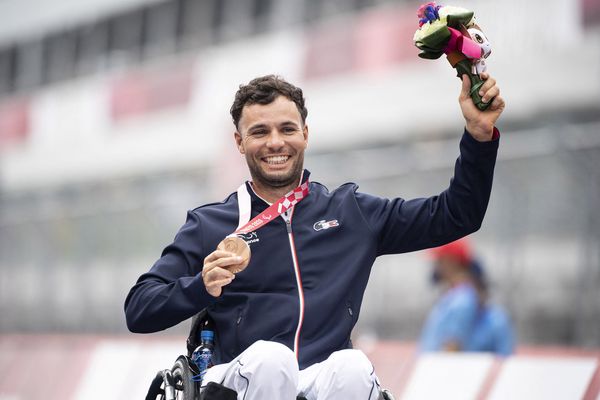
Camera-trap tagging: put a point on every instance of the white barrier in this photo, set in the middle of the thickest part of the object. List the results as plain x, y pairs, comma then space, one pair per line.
91, 367
529, 377
448, 376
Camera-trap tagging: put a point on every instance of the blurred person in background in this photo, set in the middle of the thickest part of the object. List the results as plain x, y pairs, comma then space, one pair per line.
493, 330
283, 324
463, 318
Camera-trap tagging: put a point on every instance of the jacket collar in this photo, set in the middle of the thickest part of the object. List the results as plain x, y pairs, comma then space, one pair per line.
259, 203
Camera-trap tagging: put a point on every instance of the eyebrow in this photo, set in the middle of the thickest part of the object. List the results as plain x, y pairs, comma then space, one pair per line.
257, 127
265, 126
289, 123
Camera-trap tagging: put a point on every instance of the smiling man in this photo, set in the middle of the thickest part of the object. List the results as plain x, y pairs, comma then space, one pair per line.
284, 321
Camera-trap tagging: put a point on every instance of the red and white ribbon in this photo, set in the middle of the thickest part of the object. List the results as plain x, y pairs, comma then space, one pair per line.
273, 211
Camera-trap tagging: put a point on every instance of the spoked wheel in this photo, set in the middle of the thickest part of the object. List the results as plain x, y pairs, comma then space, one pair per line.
185, 387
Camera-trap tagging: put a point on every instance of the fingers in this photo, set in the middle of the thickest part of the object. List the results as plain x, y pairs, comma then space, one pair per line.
215, 274
223, 262
214, 271
215, 255
215, 279
497, 104
489, 89
490, 94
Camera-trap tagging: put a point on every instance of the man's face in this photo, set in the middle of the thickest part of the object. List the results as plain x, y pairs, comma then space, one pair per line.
272, 137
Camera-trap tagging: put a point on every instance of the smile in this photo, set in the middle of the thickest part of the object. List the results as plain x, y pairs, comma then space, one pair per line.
275, 160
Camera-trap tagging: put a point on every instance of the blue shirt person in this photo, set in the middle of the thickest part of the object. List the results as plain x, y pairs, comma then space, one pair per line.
450, 321
463, 319
492, 331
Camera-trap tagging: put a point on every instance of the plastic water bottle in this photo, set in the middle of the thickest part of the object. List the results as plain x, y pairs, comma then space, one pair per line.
203, 354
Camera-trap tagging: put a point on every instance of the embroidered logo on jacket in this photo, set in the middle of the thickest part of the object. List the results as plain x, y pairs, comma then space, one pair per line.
320, 225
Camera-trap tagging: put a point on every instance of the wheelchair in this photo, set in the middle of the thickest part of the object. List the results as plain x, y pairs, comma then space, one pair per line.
179, 383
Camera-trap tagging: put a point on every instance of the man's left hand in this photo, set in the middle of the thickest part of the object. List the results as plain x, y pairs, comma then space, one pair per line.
480, 124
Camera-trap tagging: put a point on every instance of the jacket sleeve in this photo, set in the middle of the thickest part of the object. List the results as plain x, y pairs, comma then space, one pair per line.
173, 290
408, 225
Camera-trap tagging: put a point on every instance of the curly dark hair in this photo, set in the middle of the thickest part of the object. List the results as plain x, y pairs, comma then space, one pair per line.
264, 90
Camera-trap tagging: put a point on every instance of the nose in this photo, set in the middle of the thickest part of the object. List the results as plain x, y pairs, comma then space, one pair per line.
275, 139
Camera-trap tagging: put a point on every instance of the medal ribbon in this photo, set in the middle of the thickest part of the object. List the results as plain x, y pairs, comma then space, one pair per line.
275, 209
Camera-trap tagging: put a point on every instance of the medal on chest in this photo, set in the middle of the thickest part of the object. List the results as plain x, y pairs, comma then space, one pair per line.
235, 244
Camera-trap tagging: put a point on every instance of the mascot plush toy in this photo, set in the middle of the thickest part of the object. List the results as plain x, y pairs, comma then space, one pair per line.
453, 31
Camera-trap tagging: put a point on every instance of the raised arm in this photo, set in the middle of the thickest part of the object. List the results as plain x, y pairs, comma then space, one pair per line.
408, 225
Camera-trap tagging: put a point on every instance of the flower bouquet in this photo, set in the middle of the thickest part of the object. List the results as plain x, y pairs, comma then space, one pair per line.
452, 31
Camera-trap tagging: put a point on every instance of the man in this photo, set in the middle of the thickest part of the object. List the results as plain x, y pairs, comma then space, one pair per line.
463, 319
284, 322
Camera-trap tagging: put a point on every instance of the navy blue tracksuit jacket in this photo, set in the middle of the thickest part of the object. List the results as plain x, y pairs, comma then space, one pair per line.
305, 282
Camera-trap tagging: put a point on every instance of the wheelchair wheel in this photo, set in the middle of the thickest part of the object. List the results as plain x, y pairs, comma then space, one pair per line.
185, 387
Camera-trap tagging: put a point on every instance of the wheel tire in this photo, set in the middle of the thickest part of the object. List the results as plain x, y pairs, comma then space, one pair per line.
182, 378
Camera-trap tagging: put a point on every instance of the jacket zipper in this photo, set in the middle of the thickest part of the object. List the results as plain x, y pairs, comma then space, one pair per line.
287, 216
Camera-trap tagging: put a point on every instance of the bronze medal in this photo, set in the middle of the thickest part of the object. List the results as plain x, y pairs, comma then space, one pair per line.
239, 247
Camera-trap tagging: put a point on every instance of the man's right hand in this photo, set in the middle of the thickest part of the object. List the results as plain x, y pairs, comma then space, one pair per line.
215, 273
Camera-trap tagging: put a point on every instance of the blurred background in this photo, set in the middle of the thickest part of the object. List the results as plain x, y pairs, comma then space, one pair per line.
114, 122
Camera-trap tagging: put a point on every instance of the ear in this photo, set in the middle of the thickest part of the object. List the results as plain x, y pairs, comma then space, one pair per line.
305, 134
239, 142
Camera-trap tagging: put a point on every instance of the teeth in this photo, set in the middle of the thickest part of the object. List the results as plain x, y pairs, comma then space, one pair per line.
276, 159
